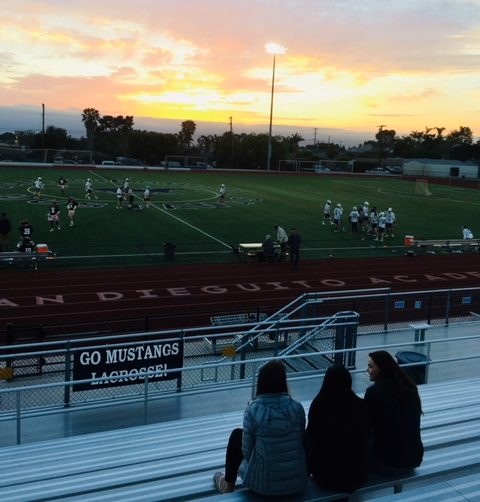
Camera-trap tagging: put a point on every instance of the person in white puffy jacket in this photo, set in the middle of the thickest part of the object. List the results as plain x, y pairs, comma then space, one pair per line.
268, 452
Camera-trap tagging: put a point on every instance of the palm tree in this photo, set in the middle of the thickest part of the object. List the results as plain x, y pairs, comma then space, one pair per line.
90, 118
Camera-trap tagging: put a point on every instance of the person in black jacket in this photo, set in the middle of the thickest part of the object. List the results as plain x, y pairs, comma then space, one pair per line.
395, 410
337, 434
5, 229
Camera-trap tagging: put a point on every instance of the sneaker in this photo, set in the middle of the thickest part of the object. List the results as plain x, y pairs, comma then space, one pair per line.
221, 485
71, 223
59, 227
51, 230
323, 223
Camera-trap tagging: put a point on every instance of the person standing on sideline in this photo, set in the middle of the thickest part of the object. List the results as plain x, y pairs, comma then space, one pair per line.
294, 242
382, 222
467, 233
337, 434
327, 213
354, 219
389, 222
268, 249
373, 223
268, 452
54, 216
5, 229
395, 410
72, 205
282, 239
365, 216
337, 217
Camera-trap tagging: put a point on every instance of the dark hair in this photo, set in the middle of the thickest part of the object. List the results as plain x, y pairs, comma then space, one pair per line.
336, 379
272, 378
390, 370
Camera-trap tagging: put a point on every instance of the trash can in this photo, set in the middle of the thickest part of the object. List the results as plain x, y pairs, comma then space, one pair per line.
408, 241
169, 251
417, 373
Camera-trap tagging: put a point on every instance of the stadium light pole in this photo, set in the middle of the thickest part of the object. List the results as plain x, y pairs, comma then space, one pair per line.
274, 49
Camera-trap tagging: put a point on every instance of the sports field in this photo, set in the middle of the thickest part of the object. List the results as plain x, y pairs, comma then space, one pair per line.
185, 210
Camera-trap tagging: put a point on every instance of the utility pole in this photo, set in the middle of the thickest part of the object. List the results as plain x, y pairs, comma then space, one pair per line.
43, 125
231, 142
315, 138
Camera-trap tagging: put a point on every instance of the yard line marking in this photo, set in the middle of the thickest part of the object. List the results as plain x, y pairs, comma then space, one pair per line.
171, 215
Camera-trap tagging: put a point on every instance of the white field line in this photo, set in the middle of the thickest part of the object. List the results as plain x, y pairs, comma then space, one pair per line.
171, 215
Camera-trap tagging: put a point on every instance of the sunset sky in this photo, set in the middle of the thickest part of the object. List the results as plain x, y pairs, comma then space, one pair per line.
350, 64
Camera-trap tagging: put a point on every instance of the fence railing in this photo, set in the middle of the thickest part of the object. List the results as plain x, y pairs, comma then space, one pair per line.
379, 308
16, 398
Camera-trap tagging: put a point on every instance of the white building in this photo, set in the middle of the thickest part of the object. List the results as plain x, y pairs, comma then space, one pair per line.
441, 168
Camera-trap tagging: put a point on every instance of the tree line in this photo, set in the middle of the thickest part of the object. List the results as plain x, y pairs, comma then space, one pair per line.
115, 136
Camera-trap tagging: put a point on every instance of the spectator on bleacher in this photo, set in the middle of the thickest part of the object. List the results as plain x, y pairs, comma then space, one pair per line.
395, 410
337, 434
268, 452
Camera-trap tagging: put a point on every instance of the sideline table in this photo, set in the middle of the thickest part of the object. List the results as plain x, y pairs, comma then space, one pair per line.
252, 249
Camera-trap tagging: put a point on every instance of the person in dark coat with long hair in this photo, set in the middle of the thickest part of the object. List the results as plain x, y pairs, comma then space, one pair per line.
337, 434
395, 411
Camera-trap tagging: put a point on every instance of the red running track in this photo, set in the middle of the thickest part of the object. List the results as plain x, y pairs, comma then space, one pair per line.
176, 293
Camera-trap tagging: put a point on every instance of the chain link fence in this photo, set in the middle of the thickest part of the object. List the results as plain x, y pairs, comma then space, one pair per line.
216, 351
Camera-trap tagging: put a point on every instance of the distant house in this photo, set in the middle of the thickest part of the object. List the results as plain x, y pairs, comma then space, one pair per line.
441, 168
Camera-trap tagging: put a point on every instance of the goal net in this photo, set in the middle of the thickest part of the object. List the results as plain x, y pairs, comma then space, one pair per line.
421, 187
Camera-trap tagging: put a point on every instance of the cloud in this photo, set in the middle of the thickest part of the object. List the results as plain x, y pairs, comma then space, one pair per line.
344, 58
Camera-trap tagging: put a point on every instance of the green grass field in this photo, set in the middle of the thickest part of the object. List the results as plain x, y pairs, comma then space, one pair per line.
185, 211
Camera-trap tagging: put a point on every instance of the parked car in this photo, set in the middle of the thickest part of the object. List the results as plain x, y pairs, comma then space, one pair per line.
108, 163
394, 170
318, 168
377, 170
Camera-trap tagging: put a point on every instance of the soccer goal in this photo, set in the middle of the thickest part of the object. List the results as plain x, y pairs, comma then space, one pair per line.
421, 187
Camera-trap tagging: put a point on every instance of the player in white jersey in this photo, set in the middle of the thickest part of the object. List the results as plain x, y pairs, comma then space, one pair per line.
373, 223
365, 216
89, 189
222, 193
39, 186
354, 218
390, 222
467, 233
120, 196
382, 222
337, 217
146, 197
327, 213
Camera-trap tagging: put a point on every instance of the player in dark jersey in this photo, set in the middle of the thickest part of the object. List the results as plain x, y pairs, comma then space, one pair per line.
26, 245
62, 184
26, 230
72, 205
53, 216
